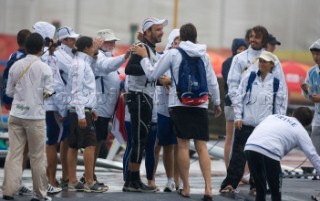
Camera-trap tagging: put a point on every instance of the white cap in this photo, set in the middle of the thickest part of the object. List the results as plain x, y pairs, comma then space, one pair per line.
45, 29
66, 32
172, 36
268, 56
147, 23
107, 35
315, 46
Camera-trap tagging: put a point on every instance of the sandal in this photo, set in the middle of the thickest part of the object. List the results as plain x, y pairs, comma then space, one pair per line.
183, 195
253, 192
227, 189
243, 181
207, 198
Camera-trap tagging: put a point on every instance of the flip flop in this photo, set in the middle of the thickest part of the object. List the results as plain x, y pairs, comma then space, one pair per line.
207, 198
180, 193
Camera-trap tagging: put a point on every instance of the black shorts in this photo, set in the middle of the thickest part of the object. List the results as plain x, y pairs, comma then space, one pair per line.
190, 122
81, 138
102, 126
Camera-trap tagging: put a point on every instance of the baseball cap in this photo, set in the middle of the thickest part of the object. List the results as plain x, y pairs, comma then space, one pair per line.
315, 46
273, 40
268, 56
66, 32
45, 29
107, 35
147, 23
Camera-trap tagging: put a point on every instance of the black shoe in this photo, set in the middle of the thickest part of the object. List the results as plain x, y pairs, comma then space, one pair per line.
83, 179
125, 186
7, 197
138, 186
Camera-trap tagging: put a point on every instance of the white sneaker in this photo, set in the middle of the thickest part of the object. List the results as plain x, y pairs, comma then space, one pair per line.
51, 189
315, 197
24, 191
35, 197
170, 187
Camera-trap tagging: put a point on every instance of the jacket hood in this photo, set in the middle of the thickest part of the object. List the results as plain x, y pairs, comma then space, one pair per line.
193, 50
174, 33
236, 43
315, 46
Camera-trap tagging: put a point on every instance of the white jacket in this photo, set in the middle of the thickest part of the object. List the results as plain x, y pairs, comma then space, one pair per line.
279, 134
245, 62
253, 107
64, 57
57, 101
107, 82
173, 58
82, 85
161, 93
27, 91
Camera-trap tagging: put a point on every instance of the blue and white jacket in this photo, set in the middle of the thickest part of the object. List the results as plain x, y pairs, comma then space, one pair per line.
313, 81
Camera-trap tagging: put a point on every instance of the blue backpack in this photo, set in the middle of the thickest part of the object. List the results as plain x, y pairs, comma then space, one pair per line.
192, 88
276, 83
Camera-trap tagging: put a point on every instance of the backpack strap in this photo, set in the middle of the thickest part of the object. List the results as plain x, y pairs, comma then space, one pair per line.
252, 77
101, 81
183, 53
276, 83
184, 56
63, 80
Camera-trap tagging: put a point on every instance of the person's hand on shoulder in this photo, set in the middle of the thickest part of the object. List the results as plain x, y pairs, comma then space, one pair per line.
128, 52
140, 50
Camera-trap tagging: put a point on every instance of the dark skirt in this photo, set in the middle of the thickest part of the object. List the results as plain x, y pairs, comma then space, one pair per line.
190, 122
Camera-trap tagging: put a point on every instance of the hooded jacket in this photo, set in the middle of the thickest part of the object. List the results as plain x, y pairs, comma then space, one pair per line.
245, 62
236, 44
252, 107
107, 82
173, 58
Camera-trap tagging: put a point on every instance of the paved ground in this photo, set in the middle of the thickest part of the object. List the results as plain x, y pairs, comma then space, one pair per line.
294, 189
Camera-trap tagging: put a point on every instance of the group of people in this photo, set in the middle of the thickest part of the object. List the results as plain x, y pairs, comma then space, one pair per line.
257, 130
65, 94
59, 93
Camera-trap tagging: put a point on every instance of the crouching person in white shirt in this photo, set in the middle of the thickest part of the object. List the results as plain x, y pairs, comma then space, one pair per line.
29, 83
271, 140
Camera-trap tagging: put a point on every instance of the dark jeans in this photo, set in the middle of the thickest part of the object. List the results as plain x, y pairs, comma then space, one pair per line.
237, 162
140, 108
264, 169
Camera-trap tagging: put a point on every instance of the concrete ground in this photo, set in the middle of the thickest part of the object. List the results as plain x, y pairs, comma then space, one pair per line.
297, 188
